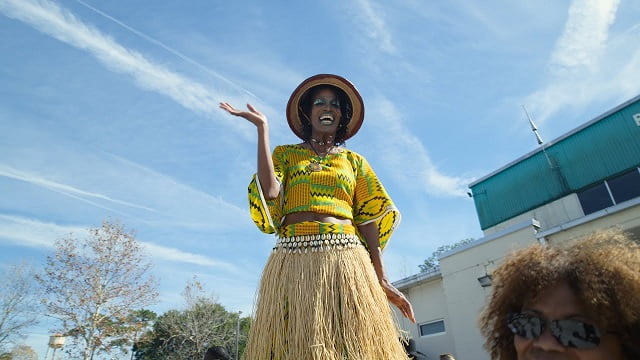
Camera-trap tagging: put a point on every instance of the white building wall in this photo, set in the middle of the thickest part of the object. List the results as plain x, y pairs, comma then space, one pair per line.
465, 297
457, 297
429, 304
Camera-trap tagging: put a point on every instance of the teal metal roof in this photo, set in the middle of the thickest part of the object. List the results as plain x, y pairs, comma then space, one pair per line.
603, 147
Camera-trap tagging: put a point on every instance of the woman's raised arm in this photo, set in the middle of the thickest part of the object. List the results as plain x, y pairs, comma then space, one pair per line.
266, 174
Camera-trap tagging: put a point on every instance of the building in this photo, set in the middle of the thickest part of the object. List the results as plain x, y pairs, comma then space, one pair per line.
585, 180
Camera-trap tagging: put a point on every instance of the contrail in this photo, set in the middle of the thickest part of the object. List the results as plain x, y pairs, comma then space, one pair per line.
49, 18
11, 173
166, 47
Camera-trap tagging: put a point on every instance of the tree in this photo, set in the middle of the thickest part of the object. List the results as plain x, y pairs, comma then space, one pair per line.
432, 263
141, 320
18, 308
20, 352
189, 333
92, 284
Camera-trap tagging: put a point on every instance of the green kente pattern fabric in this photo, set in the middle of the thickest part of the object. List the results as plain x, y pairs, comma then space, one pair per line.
341, 184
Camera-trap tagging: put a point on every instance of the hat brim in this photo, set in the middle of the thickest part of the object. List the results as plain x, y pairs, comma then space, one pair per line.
294, 110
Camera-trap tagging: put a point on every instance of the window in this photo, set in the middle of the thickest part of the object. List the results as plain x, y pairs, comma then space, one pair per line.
595, 198
625, 186
610, 192
432, 328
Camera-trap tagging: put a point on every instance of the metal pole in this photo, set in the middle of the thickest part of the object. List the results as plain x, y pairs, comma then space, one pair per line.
238, 334
534, 128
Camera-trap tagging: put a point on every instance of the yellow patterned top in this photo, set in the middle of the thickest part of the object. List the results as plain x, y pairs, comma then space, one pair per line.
339, 184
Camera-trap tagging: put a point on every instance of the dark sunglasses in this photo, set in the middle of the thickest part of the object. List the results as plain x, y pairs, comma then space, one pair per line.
570, 333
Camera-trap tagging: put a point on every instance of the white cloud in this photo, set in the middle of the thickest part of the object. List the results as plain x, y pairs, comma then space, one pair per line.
589, 63
626, 82
164, 46
176, 255
188, 206
374, 26
128, 189
585, 35
408, 149
54, 21
33, 233
76, 193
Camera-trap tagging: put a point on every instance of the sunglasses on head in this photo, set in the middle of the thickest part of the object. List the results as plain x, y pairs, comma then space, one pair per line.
570, 333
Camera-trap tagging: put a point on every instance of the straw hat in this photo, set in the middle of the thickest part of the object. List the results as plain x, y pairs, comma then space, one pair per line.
294, 106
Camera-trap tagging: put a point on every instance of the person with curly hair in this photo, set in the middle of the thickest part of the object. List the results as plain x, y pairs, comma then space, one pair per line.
324, 293
572, 301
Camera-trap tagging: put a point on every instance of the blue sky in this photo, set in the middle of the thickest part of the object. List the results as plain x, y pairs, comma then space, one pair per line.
109, 110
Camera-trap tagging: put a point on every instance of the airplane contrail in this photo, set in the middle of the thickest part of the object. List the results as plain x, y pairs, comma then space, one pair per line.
57, 22
166, 47
11, 173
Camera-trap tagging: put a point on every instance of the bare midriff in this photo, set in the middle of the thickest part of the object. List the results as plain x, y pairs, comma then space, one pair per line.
298, 217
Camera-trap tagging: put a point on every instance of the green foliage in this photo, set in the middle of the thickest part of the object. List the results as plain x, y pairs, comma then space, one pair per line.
187, 334
432, 263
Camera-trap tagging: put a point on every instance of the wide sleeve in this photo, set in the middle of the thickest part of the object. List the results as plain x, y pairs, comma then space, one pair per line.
372, 203
267, 214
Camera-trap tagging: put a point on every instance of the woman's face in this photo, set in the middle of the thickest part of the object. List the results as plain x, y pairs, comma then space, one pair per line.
325, 112
560, 303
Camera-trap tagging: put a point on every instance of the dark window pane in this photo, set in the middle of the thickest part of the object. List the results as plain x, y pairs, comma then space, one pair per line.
594, 198
625, 186
435, 327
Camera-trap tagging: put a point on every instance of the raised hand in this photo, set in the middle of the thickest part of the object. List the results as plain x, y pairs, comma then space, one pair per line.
254, 116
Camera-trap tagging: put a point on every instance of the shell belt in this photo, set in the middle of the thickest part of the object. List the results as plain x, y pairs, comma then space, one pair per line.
316, 242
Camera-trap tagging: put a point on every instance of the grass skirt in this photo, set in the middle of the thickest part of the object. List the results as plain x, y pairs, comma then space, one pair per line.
321, 300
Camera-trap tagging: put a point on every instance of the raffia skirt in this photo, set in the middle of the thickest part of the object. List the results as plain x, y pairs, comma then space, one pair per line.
319, 299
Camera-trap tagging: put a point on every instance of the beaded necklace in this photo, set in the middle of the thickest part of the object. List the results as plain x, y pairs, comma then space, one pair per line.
316, 164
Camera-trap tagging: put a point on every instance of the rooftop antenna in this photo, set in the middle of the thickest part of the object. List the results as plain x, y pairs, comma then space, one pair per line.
555, 169
534, 128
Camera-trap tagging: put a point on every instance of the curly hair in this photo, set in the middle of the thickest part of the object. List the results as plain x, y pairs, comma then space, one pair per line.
306, 102
602, 269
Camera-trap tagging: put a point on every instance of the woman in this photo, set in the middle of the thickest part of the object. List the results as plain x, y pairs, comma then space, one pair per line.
577, 301
320, 297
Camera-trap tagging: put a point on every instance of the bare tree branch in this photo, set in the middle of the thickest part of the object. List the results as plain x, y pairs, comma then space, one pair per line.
93, 285
18, 307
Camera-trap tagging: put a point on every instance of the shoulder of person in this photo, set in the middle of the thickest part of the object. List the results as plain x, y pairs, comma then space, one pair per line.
284, 147
288, 146
352, 155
